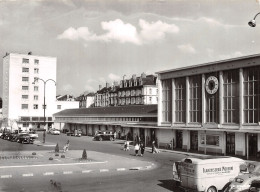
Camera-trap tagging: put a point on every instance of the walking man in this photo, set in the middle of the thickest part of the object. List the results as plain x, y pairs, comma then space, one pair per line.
137, 147
142, 147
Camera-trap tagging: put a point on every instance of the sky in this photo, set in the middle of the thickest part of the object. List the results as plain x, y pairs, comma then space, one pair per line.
99, 41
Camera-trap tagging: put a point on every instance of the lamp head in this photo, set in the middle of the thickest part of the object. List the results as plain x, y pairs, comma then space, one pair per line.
252, 23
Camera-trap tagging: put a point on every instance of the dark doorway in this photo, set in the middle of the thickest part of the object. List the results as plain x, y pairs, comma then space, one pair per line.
230, 144
194, 140
142, 136
252, 144
179, 139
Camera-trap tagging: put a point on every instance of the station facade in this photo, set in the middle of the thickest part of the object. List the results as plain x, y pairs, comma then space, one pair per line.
213, 107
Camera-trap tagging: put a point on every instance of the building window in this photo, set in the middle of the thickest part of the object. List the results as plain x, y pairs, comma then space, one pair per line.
36, 61
212, 104
180, 100
36, 79
25, 60
231, 96
25, 96
150, 91
35, 106
35, 97
58, 106
252, 95
36, 70
150, 99
166, 100
195, 98
25, 88
25, 79
25, 70
35, 88
24, 106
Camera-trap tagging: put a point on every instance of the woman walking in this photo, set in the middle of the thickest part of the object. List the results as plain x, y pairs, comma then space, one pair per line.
137, 147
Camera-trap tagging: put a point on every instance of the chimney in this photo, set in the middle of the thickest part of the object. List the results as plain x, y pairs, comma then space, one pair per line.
99, 87
107, 85
134, 76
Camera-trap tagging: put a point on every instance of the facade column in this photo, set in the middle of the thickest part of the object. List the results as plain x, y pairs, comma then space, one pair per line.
221, 88
203, 101
187, 100
241, 93
173, 101
159, 111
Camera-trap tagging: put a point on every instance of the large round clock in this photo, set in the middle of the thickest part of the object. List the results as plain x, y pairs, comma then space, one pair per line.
211, 85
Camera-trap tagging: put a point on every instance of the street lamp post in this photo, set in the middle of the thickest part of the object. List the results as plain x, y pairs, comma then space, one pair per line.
252, 23
44, 106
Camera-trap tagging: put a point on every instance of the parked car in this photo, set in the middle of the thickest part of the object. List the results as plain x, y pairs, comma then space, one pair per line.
33, 135
54, 132
104, 135
24, 138
243, 182
76, 133
255, 186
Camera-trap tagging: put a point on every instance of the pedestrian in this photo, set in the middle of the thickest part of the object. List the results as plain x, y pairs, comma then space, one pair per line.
119, 135
153, 147
66, 146
142, 147
115, 135
137, 147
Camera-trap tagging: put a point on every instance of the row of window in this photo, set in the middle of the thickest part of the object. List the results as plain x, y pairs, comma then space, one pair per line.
26, 70
251, 98
36, 106
26, 79
27, 61
136, 119
35, 97
26, 88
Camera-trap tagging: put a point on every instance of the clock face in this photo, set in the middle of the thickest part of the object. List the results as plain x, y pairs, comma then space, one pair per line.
212, 85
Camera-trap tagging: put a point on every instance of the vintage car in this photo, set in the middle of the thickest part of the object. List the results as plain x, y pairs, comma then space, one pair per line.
33, 135
54, 132
24, 138
104, 135
243, 183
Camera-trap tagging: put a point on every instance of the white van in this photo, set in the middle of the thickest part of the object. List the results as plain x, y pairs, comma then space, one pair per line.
208, 173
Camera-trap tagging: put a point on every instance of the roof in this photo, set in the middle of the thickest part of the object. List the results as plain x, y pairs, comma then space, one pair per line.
212, 159
210, 63
128, 110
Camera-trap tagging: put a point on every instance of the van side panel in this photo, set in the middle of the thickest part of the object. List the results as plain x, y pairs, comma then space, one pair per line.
200, 176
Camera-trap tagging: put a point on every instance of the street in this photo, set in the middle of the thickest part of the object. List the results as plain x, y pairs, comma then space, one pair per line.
109, 168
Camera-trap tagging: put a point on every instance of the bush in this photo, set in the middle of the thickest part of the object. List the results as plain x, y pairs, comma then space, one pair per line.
84, 154
62, 156
33, 153
50, 158
57, 148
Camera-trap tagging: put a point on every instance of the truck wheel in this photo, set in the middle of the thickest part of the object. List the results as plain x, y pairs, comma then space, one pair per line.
100, 139
212, 189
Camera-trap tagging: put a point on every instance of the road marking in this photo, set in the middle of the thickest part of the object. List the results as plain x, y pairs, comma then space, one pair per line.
104, 170
67, 172
49, 165
86, 171
6, 176
48, 173
28, 175
120, 169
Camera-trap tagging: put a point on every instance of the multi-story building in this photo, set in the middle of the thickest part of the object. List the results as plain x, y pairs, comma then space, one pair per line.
86, 100
134, 91
23, 91
214, 107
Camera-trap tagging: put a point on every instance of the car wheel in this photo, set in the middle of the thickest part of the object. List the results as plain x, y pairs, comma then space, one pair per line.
100, 139
212, 189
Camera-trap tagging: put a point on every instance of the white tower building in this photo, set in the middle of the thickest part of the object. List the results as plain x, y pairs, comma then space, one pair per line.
23, 100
